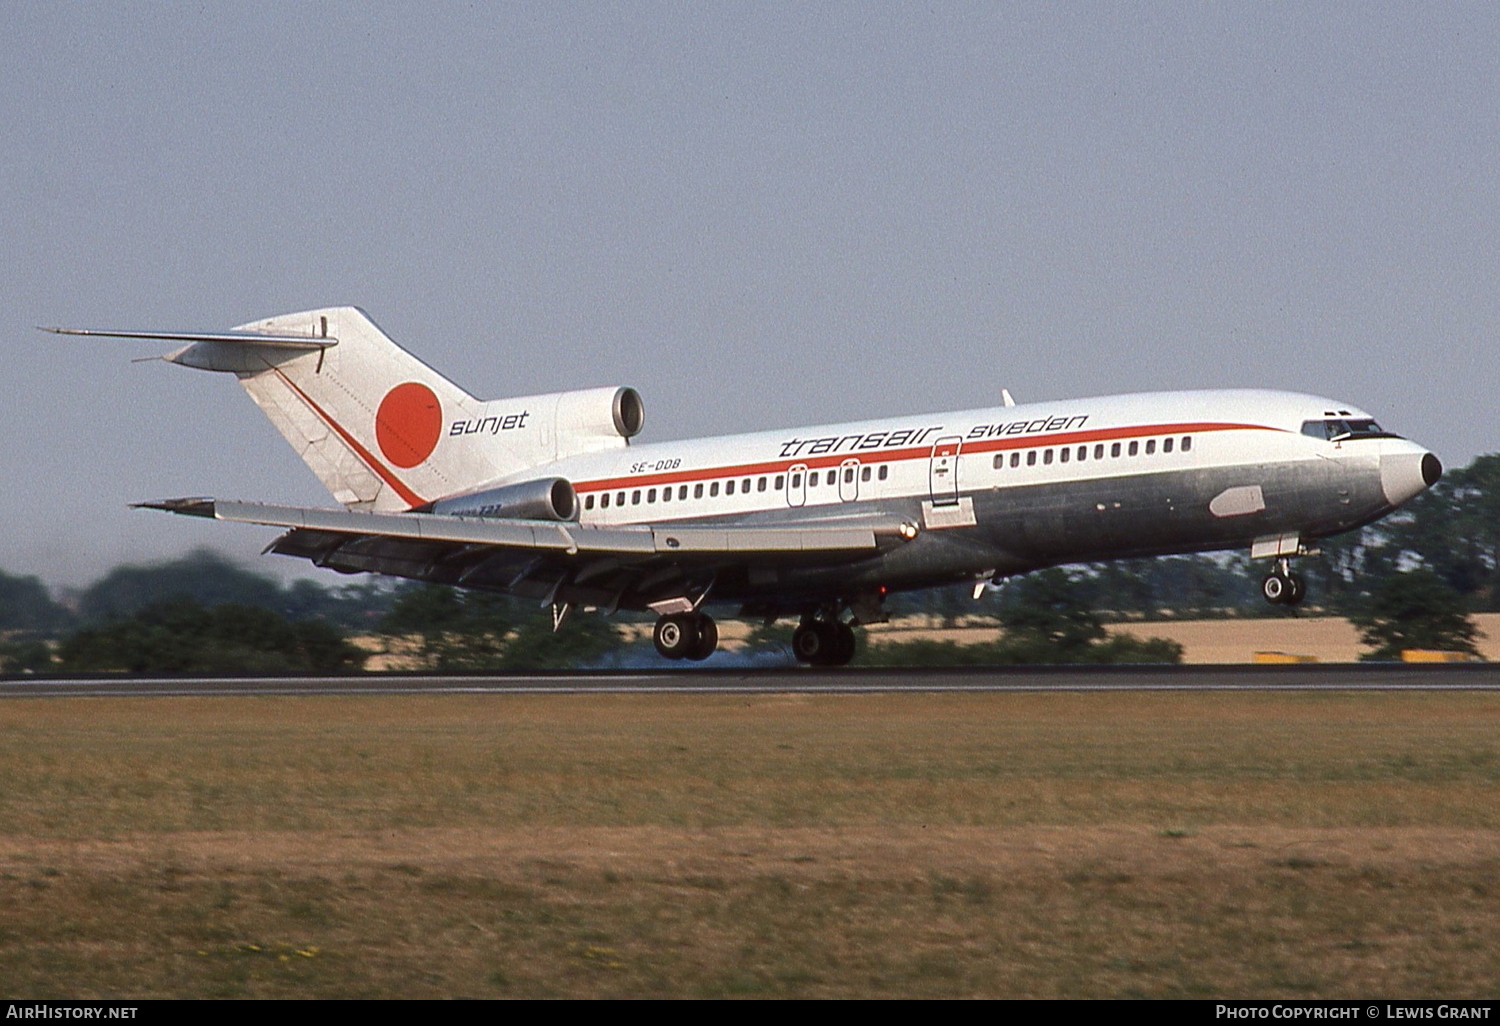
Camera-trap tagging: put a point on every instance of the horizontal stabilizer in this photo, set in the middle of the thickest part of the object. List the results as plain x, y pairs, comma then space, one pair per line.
244, 338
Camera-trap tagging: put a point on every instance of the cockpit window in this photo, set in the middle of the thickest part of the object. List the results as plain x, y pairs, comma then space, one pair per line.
1331, 430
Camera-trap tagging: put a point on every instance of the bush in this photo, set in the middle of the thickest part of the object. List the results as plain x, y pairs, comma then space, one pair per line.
1045, 621
1415, 609
478, 631
182, 636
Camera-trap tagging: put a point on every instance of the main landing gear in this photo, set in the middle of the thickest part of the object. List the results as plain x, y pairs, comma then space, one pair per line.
823, 642
1281, 587
686, 636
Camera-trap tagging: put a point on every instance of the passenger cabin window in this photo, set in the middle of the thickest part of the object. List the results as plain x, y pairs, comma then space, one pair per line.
635, 497
1187, 442
1047, 457
1135, 447
885, 472
796, 480
620, 499
604, 500
1083, 452
812, 479
1099, 451
1031, 458
1150, 446
780, 482
760, 484
864, 475
1015, 459
1166, 444
1114, 450
588, 503
999, 460
651, 495
728, 487
698, 491
1063, 454
713, 490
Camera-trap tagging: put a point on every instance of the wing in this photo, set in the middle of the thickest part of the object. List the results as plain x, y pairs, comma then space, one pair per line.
634, 566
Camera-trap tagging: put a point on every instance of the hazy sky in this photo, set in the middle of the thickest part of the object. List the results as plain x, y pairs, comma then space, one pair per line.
756, 214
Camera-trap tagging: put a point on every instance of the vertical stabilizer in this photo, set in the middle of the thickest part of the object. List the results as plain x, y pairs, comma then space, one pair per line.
381, 429
364, 414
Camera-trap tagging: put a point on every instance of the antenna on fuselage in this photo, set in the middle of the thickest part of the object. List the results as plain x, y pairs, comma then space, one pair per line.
1005, 397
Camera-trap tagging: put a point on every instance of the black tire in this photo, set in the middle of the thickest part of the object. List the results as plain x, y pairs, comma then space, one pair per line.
676, 636
824, 643
810, 643
842, 649
1297, 590
708, 639
1275, 588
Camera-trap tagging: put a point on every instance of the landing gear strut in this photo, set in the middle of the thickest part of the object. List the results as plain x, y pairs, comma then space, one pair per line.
1281, 587
823, 642
686, 636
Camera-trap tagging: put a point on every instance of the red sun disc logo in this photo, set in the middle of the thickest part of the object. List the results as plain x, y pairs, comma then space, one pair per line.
408, 424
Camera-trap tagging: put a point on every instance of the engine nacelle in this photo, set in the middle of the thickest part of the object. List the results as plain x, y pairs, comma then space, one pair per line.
596, 412
548, 498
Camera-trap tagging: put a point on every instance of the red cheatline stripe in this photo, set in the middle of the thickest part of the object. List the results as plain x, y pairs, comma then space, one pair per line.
408, 496
873, 456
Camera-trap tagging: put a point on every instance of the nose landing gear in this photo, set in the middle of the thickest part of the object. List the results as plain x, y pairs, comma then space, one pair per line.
686, 636
1281, 587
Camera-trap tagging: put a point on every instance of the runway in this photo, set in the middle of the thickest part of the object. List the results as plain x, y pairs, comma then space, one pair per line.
1304, 677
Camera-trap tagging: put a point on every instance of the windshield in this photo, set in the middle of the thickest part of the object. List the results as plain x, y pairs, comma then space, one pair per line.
1337, 428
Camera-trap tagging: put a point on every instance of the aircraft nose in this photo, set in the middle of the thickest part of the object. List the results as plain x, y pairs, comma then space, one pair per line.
1406, 474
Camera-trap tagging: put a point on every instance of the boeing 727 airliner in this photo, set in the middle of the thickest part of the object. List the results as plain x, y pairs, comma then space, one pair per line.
545, 497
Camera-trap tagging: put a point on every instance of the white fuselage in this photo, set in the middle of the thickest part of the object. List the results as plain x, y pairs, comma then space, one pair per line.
943, 458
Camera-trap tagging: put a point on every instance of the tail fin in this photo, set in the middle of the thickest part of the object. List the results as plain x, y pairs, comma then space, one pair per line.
381, 429
364, 414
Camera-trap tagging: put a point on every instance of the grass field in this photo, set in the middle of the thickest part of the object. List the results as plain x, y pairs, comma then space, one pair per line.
1008, 845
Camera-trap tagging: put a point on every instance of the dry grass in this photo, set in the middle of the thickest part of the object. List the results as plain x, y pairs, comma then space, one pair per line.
1037, 845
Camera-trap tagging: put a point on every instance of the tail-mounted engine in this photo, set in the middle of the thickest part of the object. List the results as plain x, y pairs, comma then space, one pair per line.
602, 413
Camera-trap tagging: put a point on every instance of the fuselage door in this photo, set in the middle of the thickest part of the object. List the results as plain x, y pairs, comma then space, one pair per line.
848, 480
942, 472
796, 485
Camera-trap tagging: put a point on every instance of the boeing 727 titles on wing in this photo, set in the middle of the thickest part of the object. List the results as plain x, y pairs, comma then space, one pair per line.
546, 497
